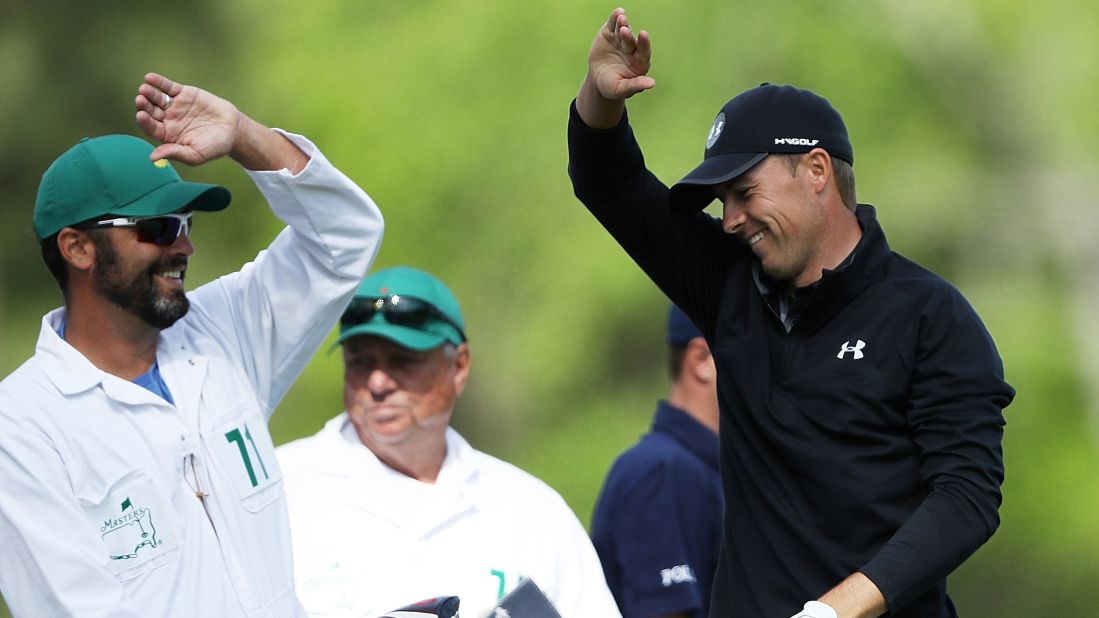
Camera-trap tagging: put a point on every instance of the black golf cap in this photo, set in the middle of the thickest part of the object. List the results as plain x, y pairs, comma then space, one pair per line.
755, 123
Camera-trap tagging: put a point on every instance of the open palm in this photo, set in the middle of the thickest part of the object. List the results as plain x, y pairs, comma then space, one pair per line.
193, 125
618, 61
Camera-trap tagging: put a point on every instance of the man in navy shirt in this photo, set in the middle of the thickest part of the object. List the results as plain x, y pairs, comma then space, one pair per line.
657, 523
861, 397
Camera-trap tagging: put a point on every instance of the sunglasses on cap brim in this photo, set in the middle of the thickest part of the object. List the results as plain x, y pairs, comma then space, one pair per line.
161, 230
396, 309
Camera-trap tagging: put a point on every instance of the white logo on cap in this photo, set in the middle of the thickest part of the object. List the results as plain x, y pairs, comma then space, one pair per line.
796, 141
715, 131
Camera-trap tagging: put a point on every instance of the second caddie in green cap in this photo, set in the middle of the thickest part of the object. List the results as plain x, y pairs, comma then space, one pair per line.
113, 175
392, 474
407, 306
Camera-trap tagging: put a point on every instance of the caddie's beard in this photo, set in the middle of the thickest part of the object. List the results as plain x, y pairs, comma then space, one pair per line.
141, 294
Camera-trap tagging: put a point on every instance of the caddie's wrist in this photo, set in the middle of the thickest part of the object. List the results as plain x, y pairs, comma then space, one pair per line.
816, 609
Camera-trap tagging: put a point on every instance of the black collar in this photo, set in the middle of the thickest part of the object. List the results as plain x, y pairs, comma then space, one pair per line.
812, 306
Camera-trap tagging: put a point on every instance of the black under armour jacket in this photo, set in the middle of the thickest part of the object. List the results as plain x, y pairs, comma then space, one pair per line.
866, 438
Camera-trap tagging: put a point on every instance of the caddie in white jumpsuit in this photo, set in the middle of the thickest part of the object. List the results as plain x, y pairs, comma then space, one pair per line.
389, 504
138, 475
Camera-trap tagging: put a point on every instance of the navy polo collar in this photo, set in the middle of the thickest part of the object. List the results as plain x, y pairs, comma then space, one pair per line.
693, 435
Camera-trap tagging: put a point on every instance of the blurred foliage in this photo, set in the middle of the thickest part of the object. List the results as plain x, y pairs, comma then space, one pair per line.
972, 129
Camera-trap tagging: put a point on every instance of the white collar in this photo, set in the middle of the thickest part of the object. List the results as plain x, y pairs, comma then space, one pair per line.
353, 457
72, 373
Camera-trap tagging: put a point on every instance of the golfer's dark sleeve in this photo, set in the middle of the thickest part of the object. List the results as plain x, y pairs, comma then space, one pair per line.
956, 403
685, 254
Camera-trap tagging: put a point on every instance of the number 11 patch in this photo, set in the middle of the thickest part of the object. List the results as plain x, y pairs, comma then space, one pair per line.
247, 458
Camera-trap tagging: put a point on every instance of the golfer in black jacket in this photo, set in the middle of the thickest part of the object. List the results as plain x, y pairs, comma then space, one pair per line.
861, 397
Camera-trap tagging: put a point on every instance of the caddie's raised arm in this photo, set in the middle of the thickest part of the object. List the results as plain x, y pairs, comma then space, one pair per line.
618, 68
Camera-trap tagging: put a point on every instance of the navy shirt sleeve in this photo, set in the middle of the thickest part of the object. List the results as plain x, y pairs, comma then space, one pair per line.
641, 529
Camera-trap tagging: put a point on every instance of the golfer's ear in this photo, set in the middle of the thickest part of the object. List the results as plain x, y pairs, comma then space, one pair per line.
819, 165
76, 248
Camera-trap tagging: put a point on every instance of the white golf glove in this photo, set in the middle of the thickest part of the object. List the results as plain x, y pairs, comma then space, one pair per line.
816, 609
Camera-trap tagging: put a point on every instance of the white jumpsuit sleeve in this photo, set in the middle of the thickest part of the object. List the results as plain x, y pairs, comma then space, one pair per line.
580, 588
274, 313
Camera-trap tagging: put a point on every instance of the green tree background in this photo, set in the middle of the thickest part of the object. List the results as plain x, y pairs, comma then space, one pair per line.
973, 123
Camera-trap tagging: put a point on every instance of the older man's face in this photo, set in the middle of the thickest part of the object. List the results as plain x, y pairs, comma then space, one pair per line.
396, 396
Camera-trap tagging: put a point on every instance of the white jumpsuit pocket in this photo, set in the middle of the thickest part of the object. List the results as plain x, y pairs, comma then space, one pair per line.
246, 454
135, 526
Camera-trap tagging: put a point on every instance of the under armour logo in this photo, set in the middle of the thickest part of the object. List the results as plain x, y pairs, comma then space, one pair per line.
715, 130
856, 349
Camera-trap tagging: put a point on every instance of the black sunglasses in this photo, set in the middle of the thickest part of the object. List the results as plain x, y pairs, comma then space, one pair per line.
396, 309
161, 230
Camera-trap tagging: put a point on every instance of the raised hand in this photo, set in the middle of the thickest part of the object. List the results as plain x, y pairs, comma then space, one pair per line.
195, 126
618, 67
192, 125
618, 63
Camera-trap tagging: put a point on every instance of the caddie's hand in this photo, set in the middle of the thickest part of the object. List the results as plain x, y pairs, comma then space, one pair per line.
192, 125
618, 63
816, 609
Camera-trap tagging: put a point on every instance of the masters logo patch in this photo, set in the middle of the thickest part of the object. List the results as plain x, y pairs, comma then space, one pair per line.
134, 525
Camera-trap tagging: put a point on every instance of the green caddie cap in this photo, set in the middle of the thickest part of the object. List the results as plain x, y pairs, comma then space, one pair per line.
404, 283
112, 175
